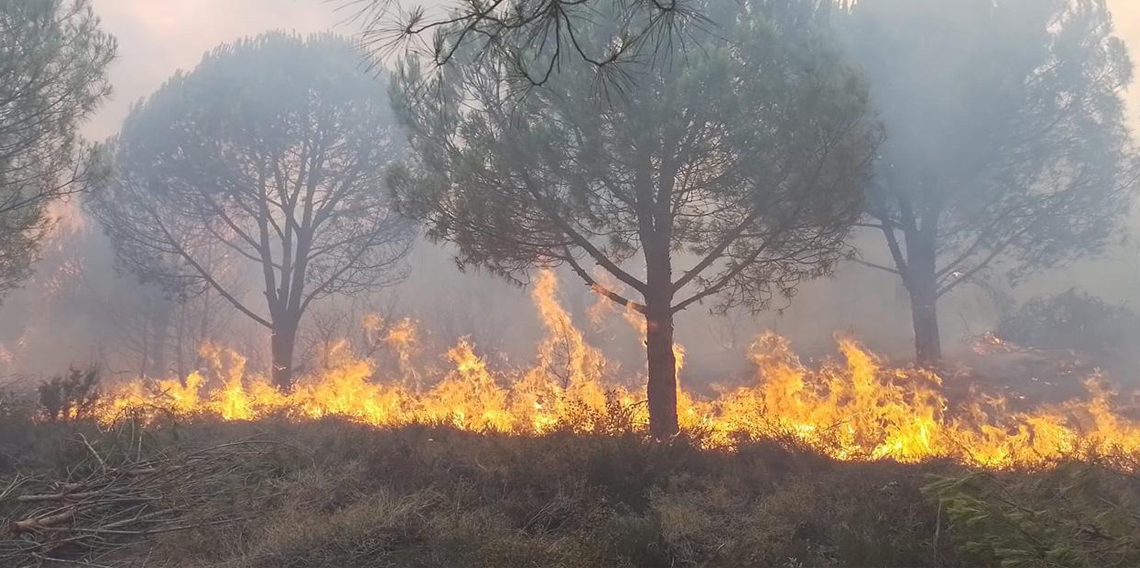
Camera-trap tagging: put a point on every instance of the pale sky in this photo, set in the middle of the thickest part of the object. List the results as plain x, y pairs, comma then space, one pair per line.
158, 37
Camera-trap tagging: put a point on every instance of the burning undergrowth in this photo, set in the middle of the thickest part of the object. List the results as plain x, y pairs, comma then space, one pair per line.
854, 407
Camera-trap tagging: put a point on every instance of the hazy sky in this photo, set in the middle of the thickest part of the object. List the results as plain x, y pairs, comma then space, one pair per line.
157, 37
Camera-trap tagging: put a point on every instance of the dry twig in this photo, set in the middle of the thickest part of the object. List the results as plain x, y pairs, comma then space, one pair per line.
113, 500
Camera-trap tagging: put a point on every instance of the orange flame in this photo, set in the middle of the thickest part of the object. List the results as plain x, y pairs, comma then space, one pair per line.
855, 408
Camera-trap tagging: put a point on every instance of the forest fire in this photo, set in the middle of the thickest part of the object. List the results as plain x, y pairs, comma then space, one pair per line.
266, 277
855, 408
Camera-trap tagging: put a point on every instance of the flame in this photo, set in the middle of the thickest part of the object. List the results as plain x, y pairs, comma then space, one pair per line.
403, 338
854, 407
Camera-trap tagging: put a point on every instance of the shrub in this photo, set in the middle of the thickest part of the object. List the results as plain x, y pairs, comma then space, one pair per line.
1080, 515
345, 495
1078, 322
72, 395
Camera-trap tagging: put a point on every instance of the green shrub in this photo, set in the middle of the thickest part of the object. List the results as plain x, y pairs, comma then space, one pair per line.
1080, 515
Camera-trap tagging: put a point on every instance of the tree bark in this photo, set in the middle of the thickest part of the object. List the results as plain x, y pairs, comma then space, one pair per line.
180, 344
922, 284
662, 388
282, 342
203, 328
161, 325
924, 313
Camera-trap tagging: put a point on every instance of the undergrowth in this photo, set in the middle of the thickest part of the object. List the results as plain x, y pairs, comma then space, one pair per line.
335, 494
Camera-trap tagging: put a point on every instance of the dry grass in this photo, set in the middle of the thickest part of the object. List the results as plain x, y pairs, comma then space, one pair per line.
343, 495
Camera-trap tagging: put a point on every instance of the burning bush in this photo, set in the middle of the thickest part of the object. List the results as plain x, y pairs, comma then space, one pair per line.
853, 407
71, 395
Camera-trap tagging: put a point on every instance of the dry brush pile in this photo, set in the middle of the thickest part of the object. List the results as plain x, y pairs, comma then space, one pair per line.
108, 494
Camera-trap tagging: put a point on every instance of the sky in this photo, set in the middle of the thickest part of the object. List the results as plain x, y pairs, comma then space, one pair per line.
158, 37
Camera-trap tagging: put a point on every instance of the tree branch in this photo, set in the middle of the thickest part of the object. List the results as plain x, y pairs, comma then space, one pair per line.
598, 288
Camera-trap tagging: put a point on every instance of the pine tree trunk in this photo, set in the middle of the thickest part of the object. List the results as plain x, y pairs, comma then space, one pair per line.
924, 312
180, 344
922, 285
662, 388
282, 341
161, 334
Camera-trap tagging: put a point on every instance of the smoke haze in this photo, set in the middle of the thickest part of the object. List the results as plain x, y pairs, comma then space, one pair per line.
158, 37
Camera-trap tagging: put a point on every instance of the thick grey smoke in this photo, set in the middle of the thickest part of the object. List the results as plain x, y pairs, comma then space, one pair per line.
77, 310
